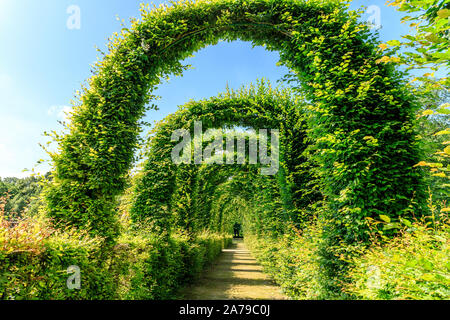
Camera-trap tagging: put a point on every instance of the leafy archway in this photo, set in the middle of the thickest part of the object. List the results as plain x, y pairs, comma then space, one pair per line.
361, 116
181, 194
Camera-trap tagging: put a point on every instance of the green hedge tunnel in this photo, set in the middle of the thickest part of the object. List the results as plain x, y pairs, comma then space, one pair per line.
162, 182
361, 120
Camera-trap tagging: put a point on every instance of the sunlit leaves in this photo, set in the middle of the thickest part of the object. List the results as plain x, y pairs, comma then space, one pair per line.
360, 123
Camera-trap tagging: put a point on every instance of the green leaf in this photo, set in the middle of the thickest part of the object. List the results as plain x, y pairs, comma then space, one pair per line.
406, 222
444, 13
440, 133
393, 225
394, 43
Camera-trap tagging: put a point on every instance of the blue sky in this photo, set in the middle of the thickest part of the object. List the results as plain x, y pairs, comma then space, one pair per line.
43, 62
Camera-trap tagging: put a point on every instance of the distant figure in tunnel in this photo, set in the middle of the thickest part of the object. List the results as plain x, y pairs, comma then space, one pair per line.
237, 230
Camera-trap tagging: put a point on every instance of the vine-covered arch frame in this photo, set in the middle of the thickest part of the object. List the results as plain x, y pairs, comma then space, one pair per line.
253, 107
361, 116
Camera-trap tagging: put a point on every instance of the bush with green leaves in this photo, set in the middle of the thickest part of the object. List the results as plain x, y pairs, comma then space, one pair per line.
34, 262
362, 115
24, 195
155, 267
292, 261
413, 266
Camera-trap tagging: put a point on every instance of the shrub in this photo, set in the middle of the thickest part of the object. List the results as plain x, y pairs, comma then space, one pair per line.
414, 265
34, 259
155, 267
292, 261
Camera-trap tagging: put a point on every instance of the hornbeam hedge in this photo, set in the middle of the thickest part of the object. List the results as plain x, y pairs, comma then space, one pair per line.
163, 185
361, 119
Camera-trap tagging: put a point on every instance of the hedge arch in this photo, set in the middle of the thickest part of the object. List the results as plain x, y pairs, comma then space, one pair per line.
361, 120
163, 185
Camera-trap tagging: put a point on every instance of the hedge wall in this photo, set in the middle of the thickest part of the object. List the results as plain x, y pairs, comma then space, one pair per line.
415, 265
34, 262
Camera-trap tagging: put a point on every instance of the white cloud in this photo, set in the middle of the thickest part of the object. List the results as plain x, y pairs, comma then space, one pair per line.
61, 112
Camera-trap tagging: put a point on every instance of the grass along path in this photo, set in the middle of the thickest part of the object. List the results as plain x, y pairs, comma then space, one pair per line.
236, 275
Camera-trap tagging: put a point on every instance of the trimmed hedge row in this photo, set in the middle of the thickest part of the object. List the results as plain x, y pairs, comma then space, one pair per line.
292, 262
139, 266
165, 189
155, 268
362, 114
413, 266
38, 270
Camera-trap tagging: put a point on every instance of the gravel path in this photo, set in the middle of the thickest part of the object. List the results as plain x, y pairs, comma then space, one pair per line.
235, 276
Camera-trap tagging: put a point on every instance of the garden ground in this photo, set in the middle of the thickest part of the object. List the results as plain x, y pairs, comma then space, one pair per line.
234, 276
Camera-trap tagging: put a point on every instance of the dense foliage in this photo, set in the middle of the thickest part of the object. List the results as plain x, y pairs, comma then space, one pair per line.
34, 259
361, 117
23, 195
164, 187
350, 176
413, 266
292, 260
426, 52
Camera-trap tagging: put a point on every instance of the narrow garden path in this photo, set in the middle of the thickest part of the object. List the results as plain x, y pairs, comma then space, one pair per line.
236, 275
